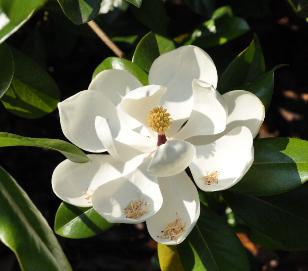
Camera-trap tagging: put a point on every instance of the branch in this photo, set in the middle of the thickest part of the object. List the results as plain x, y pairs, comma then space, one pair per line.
103, 36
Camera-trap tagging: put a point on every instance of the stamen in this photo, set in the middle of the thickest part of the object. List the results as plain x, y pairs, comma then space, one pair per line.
136, 209
159, 119
173, 230
211, 178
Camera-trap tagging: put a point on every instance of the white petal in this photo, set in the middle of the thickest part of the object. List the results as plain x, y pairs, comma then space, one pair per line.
221, 164
171, 158
203, 140
176, 71
139, 102
77, 118
245, 109
112, 199
181, 201
75, 182
126, 144
209, 115
114, 84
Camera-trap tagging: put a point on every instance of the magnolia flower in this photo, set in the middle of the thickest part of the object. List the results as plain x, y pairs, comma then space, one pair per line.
152, 134
109, 5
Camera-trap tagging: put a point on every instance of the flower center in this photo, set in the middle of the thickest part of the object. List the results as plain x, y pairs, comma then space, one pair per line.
136, 209
173, 230
159, 120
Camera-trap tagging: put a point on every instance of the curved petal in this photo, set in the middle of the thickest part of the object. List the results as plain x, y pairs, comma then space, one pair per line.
77, 118
209, 115
114, 84
171, 158
221, 164
245, 109
139, 102
74, 183
131, 199
176, 71
179, 212
205, 139
126, 144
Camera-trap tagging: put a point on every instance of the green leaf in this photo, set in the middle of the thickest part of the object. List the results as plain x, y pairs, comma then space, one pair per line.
136, 3
220, 29
80, 11
122, 64
32, 93
17, 13
282, 220
222, 12
129, 40
263, 87
212, 246
69, 150
244, 69
280, 165
202, 7
164, 44
300, 7
169, 258
25, 231
7, 70
153, 15
149, 48
263, 240
77, 222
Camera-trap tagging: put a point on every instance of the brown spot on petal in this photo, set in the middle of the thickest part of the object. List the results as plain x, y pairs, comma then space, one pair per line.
211, 178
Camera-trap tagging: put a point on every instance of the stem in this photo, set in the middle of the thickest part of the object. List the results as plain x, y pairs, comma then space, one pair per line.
161, 139
103, 36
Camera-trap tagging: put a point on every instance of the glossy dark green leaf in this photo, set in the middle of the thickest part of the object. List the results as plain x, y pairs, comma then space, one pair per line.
122, 64
220, 29
244, 69
33, 93
263, 87
69, 150
280, 165
282, 220
202, 7
153, 15
212, 246
80, 11
25, 231
7, 70
128, 40
16, 13
149, 48
136, 3
227, 29
77, 222
164, 44
264, 241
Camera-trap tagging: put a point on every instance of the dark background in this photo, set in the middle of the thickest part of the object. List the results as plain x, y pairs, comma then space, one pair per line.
70, 53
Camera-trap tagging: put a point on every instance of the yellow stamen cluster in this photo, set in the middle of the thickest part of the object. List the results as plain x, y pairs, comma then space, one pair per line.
136, 209
159, 119
173, 230
211, 178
